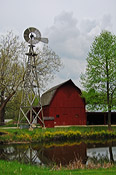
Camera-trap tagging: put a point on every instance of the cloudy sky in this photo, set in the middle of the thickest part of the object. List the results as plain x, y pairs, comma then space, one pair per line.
70, 26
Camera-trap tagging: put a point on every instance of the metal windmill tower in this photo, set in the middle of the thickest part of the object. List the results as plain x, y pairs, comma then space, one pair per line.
31, 94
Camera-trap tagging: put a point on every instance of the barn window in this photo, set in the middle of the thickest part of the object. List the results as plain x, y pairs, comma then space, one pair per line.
57, 116
76, 115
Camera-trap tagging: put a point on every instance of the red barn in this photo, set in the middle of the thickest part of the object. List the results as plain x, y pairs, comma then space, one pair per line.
63, 105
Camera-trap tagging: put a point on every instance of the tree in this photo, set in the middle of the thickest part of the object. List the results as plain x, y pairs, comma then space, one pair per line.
13, 106
48, 63
99, 79
11, 69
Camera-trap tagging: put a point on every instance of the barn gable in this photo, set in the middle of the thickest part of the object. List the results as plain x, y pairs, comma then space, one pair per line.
48, 95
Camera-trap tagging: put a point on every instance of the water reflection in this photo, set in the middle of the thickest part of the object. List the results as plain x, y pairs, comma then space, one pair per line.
102, 153
64, 154
21, 153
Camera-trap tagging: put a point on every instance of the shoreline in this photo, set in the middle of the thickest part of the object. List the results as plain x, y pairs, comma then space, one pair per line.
20, 136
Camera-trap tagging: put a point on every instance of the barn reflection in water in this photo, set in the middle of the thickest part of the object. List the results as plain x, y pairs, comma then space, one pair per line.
58, 154
64, 154
44, 155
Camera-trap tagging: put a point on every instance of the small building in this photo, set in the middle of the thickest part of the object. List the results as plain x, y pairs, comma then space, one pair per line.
63, 105
100, 118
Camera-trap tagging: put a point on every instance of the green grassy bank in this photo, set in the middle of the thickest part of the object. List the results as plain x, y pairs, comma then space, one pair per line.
15, 168
56, 134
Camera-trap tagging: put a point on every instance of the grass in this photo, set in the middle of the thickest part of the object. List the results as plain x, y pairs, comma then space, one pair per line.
82, 129
15, 168
54, 134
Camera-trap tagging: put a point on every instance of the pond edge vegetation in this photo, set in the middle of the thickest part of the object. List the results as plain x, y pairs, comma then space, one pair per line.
54, 135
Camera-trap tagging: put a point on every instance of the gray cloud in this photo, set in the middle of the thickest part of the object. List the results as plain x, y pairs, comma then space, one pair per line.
63, 33
106, 22
71, 40
87, 25
68, 38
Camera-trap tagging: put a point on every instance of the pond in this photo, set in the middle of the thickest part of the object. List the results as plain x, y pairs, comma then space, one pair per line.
64, 153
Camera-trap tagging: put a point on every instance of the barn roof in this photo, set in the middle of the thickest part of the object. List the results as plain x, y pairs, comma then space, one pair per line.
48, 95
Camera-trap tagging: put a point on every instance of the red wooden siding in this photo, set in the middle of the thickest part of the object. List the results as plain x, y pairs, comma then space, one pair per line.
67, 106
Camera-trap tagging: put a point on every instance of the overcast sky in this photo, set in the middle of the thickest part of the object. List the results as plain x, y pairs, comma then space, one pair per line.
70, 26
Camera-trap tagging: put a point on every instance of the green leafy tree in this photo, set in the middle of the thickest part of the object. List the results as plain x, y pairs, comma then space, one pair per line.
99, 79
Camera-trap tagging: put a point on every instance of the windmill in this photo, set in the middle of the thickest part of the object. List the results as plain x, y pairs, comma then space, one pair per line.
31, 100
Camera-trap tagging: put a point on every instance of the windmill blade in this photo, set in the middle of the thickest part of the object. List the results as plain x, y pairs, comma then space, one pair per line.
35, 31
44, 40
33, 36
26, 35
36, 34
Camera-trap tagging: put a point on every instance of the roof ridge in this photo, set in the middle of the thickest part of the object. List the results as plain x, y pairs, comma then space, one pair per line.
56, 87
48, 95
